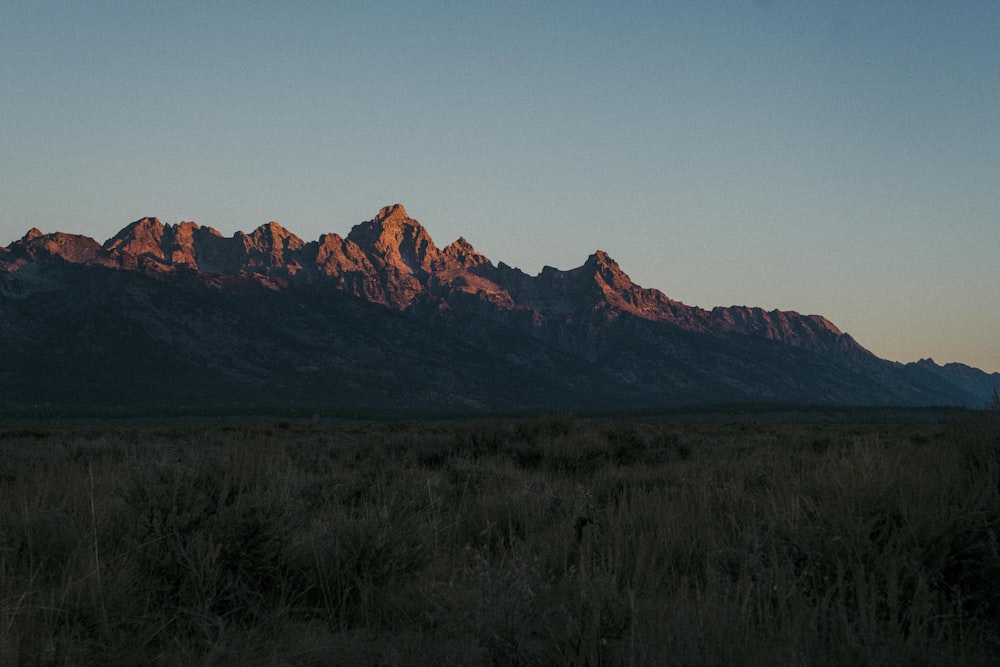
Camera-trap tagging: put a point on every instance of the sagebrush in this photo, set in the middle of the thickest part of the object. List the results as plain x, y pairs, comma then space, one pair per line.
555, 540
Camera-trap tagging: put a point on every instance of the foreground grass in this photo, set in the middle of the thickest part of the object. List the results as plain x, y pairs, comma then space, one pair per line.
547, 541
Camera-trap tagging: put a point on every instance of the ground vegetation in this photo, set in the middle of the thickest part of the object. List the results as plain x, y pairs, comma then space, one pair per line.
555, 540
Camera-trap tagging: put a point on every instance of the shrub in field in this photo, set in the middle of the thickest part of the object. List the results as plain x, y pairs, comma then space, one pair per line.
964, 545
38, 543
348, 569
202, 543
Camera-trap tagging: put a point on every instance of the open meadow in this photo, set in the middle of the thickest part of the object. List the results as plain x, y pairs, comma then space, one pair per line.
554, 540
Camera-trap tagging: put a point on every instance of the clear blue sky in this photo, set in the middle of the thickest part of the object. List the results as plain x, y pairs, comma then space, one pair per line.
831, 157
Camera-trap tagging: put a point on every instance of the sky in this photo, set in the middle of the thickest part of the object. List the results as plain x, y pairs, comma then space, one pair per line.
831, 157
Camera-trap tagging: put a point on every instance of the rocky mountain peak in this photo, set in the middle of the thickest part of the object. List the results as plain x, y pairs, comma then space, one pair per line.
393, 212
142, 237
602, 258
271, 228
602, 263
270, 245
608, 270
460, 252
273, 234
179, 243
188, 231
73, 248
396, 242
149, 243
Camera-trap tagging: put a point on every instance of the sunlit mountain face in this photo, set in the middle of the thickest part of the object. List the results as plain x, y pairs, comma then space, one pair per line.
178, 314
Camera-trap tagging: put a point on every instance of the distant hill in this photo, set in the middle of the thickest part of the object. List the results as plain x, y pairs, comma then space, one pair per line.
170, 315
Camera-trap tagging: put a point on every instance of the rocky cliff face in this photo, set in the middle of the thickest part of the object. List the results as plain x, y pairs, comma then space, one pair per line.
586, 336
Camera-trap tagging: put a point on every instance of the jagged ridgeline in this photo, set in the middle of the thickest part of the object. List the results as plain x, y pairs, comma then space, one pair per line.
179, 314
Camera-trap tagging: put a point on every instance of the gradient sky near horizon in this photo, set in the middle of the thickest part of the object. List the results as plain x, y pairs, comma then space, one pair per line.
835, 157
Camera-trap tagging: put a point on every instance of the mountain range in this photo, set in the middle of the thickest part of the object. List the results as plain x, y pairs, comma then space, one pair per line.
180, 315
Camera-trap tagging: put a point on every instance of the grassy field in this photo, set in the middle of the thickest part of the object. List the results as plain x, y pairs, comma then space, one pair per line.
545, 541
